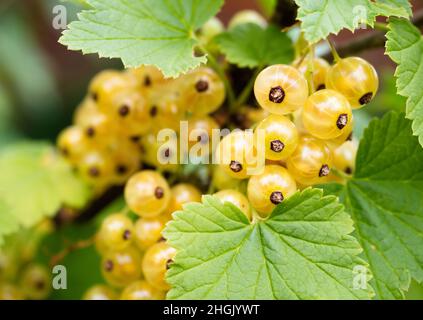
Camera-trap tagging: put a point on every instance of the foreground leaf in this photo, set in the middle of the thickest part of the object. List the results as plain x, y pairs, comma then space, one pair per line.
35, 182
385, 199
405, 47
303, 251
251, 46
321, 18
143, 32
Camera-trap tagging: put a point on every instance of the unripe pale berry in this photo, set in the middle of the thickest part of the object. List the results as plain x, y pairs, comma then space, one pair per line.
354, 78
281, 89
267, 190
147, 193
326, 114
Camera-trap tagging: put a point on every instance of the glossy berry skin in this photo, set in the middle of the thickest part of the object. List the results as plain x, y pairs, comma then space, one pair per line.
142, 290
100, 292
247, 16
237, 199
126, 157
326, 114
147, 77
117, 230
130, 113
346, 135
311, 161
280, 137
36, 282
96, 125
344, 157
236, 154
72, 143
155, 264
182, 194
354, 78
281, 89
167, 109
152, 148
267, 190
121, 268
107, 84
147, 193
96, 167
320, 70
203, 91
148, 231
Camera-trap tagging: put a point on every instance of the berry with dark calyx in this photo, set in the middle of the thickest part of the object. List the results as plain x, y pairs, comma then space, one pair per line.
311, 161
147, 193
280, 136
155, 264
326, 114
354, 78
281, 89
236, 154
270, 188
116, 231
122, 267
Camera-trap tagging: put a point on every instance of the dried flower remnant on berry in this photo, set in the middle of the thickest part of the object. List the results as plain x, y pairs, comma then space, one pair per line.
127, 235
108, 265
202, 86
276, 197
159, 192
277, 94
124, 111
277, 146
324, 171
365, 99
235, 166
342, 121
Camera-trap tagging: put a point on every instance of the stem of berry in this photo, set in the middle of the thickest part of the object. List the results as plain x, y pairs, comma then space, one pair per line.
246, 93
57, 258
310, 70
335, 54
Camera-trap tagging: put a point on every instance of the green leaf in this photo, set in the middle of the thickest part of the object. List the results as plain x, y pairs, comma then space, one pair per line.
321, 18
35, 182
251, 46
144, 32
385, 200
8, 223
303, 251
405, 47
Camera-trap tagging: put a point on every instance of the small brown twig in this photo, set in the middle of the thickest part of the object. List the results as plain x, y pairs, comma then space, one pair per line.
82, 244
